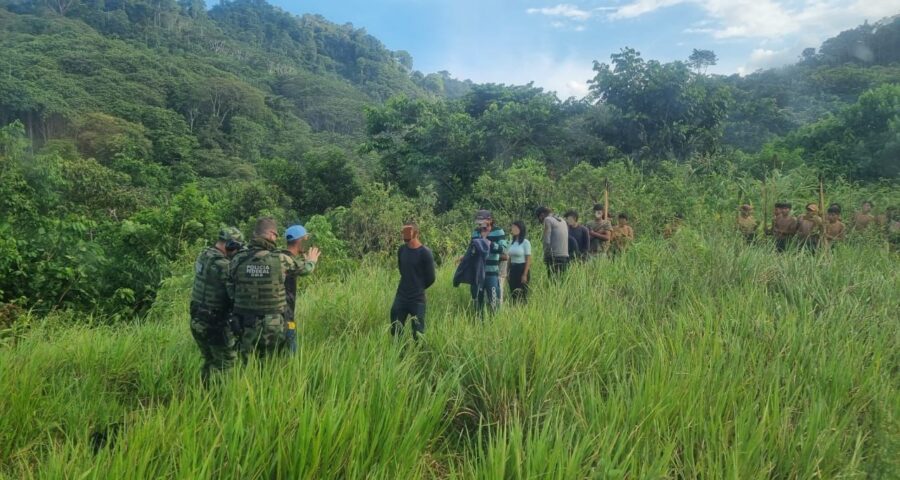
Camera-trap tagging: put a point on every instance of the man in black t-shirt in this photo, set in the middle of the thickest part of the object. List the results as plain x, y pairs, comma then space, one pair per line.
579, 233
416, 264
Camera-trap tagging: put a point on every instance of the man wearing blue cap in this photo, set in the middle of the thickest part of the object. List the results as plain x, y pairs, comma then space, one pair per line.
296, 236
256, 283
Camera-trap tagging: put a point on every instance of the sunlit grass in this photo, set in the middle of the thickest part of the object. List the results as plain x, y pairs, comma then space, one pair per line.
698, 358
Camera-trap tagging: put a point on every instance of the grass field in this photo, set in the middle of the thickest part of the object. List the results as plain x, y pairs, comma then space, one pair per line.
699, 358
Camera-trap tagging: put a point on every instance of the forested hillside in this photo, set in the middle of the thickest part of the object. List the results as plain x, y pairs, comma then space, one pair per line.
131, 129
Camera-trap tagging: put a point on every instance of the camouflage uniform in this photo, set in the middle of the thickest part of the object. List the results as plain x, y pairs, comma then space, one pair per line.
256, 283
210, 308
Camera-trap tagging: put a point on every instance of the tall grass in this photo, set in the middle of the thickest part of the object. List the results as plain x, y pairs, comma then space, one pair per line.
697, 358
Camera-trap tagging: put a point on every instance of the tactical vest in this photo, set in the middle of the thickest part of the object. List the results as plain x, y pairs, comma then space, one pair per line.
258, 283
209, 288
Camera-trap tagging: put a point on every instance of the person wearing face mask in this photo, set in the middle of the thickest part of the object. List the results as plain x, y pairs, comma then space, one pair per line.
416, 264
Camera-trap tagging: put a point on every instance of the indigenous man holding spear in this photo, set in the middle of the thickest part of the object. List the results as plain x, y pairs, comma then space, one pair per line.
601, 227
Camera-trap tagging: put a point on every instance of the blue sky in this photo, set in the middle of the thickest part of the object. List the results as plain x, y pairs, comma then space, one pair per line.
553, 42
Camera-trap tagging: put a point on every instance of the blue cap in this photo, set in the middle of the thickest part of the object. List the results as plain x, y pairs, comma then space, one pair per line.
294, 232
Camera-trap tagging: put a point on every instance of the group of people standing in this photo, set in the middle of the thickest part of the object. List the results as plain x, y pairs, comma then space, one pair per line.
491, 255
243, 296
809, 230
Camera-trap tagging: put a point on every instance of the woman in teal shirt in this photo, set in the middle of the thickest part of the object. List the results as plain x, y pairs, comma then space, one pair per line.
519, 263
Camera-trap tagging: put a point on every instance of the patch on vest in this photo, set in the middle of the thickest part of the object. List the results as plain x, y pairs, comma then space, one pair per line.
198, 267
258, 271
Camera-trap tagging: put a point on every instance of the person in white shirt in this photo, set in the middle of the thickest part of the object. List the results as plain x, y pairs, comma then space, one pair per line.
519, 263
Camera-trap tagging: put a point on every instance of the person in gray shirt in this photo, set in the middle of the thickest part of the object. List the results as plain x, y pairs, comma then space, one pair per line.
556, 241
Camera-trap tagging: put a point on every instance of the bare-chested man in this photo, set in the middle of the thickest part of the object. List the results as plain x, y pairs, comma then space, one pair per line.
864, 218
672, 227
746, 223
784, 226
834, 227
809, 227
622, 235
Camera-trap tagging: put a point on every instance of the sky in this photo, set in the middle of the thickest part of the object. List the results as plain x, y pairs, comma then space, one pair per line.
554, 42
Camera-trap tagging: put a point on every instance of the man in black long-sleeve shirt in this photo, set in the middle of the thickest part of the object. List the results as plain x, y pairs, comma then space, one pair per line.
416, 264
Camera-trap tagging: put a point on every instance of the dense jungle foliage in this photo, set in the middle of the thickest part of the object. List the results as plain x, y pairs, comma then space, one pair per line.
131, 130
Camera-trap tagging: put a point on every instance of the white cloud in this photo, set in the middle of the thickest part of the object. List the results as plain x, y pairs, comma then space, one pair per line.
773, 19
564, 10
762, 58
761, 54
784, 27
640, 7
566, 76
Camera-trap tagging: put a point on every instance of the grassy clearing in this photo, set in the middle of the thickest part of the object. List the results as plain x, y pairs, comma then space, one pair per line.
696, 358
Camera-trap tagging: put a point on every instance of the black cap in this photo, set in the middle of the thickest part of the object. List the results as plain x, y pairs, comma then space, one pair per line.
483, 215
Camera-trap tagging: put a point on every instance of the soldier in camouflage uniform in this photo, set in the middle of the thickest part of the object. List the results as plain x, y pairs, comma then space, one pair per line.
256, 284
210, 305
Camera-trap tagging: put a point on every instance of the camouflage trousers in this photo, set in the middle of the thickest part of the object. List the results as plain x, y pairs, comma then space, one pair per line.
215, 339
261, 335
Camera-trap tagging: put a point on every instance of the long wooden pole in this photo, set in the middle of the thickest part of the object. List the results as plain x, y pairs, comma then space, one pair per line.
606, 198
771, 173
822, 240
765, 207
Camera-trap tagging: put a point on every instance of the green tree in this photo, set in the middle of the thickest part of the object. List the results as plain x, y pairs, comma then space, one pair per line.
666, 110
701, 60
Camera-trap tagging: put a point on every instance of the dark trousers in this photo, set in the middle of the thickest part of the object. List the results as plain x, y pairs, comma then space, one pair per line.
401, 310
556, 266
518, 289
810, 244
215, 339
486, 296
781, 244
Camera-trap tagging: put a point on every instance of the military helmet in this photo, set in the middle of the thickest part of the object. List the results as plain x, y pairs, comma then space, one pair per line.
230, 233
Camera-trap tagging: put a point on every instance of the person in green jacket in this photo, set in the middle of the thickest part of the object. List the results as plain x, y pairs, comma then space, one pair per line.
256, 285
211, 306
